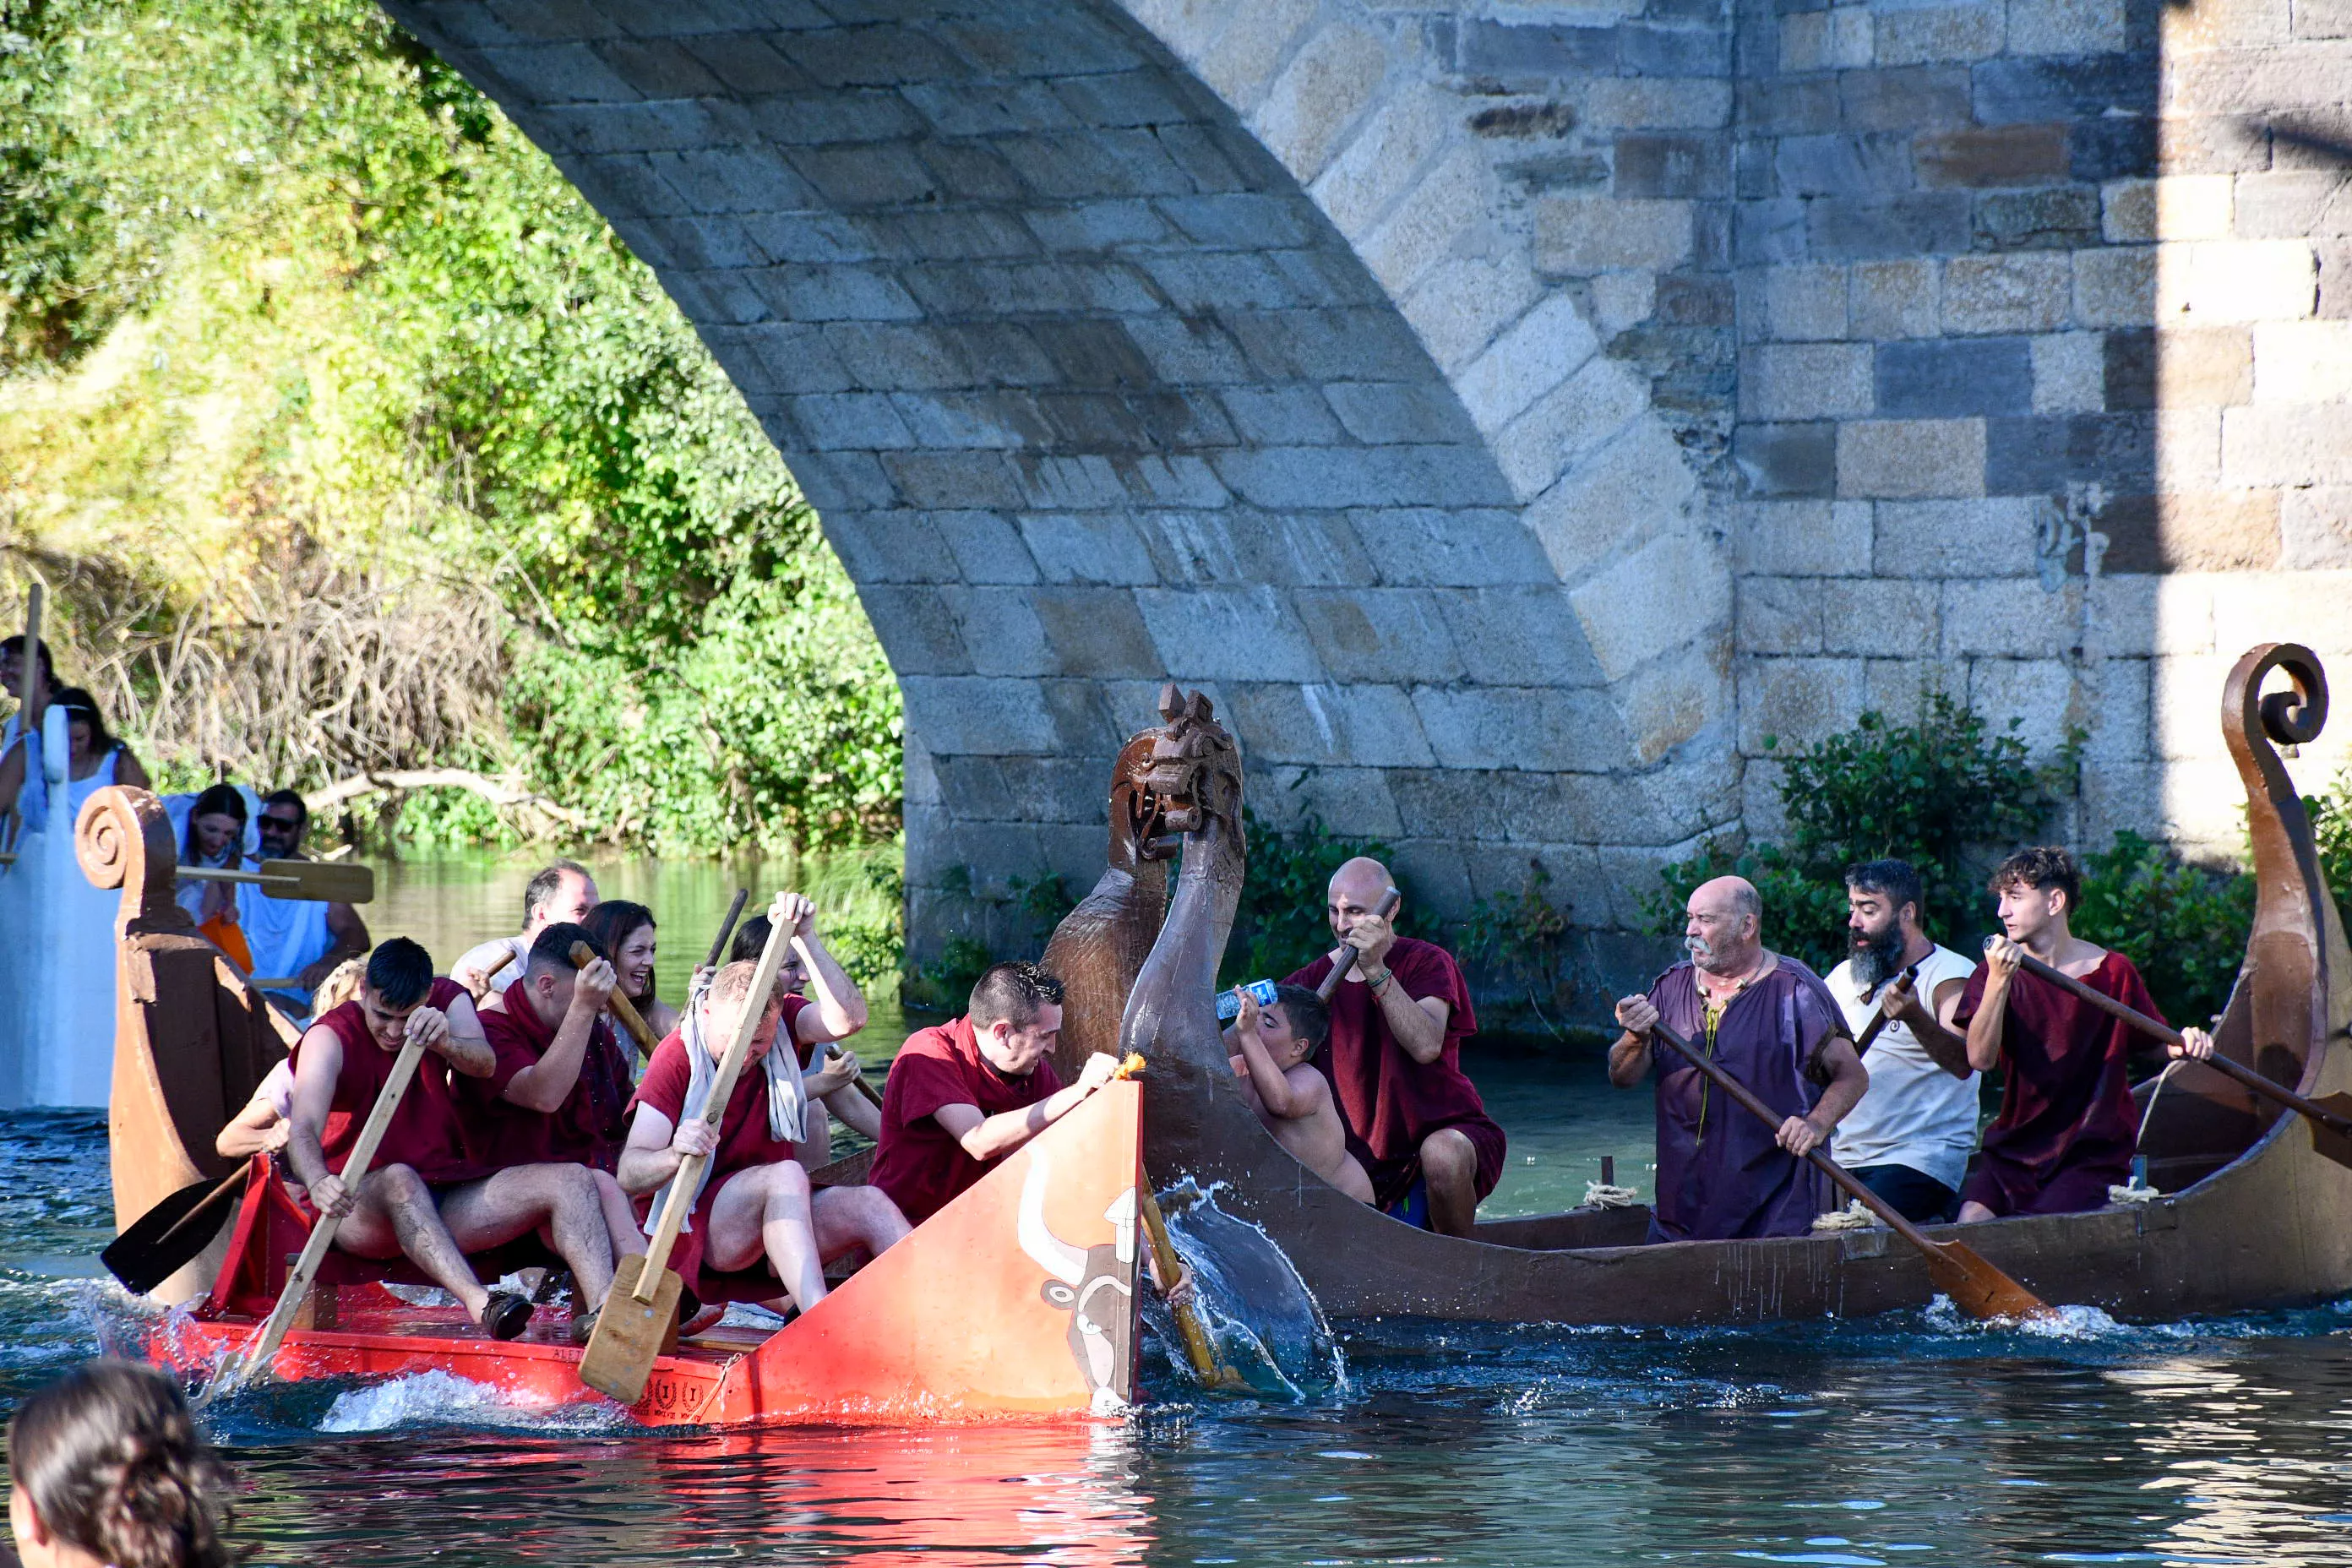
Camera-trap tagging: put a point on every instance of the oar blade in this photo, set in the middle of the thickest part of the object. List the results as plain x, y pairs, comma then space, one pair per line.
1979, 1288
164, 1239
630, 1333
2327, 1140
330, 881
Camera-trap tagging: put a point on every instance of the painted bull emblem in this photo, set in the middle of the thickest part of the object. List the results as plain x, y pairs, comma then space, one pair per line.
1096, 1285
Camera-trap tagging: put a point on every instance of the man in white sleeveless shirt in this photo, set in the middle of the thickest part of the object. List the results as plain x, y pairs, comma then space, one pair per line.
1910, 1138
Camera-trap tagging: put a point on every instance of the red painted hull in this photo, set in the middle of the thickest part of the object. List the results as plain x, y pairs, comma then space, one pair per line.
1016, 1301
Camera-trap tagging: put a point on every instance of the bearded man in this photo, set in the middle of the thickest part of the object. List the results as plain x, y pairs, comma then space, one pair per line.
1767, 1021
1909, 1138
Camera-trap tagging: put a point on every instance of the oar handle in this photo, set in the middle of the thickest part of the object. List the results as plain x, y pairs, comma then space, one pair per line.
322, 1235
727, 929
682, 1186
1879, 1020
2172, 1036
1846, 1181
620, 1006
873, 1095
1343, 957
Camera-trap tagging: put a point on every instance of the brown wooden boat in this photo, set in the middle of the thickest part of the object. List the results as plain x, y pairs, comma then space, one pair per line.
2252, 1215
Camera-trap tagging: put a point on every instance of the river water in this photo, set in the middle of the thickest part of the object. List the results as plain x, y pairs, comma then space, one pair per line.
1910, 1440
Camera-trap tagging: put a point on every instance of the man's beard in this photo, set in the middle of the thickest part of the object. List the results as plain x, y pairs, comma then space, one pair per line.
1875, 959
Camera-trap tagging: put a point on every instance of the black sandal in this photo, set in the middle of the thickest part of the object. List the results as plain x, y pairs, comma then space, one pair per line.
506, 1315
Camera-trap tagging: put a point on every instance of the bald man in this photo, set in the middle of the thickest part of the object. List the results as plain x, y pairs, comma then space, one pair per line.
1770, 1023
1393, 1055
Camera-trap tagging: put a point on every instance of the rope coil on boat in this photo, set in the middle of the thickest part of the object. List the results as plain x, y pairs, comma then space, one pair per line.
1605, 1195
2133, 1191
1854, 1216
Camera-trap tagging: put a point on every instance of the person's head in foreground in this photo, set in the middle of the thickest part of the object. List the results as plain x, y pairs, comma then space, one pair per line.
106, 1465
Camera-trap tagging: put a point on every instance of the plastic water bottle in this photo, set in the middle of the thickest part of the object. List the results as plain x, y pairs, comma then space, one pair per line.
1229, 1006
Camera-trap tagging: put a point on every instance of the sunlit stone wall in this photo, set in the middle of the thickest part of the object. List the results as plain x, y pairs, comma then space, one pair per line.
1514, 414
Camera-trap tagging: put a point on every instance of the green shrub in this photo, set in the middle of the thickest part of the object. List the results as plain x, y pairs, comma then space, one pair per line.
1938, 793
2184, 926
1280, 925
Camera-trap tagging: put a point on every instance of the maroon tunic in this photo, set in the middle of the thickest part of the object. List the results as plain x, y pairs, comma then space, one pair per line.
2067, 1129
1389, 1102
743, 1141
1721, 1171
587, 1128
424, 1132
918, 1164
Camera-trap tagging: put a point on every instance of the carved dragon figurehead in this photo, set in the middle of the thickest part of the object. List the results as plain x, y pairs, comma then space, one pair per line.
1166, 781
1138, 816
1196, 769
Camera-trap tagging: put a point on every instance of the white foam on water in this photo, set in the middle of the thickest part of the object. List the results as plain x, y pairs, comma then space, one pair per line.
2077, 1323
443, 1399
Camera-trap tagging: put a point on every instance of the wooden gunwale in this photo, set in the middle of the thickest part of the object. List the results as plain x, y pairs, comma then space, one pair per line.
2265, 1220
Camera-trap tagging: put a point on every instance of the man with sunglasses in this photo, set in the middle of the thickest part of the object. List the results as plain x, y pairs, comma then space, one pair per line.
298, 940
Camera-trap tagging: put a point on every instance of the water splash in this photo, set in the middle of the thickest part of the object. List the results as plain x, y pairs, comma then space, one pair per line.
443, 1399
1267, 1324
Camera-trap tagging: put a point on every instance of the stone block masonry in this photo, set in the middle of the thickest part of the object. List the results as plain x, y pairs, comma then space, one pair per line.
1511, 414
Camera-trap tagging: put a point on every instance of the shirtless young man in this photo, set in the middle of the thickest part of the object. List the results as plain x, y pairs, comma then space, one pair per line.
1294, 1100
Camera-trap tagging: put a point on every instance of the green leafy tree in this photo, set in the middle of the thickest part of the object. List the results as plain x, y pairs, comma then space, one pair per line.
452, 368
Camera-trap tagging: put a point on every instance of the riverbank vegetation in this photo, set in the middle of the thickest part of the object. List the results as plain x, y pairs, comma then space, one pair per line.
348, 438
1951, 795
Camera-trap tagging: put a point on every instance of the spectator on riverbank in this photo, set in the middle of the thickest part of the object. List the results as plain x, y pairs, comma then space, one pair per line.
563, 891
106, 1465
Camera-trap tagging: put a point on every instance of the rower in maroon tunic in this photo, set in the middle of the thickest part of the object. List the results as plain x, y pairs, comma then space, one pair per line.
755, 1205
2067, 1129
1767, 1021
424, 1195
962, 1096
1394, 1059
558, 1092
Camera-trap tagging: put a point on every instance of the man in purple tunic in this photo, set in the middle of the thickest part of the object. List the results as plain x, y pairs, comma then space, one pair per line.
1767, 1021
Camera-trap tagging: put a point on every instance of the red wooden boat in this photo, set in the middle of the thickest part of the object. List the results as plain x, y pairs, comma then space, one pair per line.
1017, 1301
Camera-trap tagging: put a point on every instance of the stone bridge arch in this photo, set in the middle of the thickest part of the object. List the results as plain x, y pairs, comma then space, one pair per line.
1241, 342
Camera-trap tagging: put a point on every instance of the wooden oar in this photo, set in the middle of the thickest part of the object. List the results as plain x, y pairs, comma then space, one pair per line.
317, 879
1879, 1020
166, 1238
1981, 1289
1200, 1346
643, 1302
241, 1365
620, 1006
727, 929
2331, 1119
1343, 957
